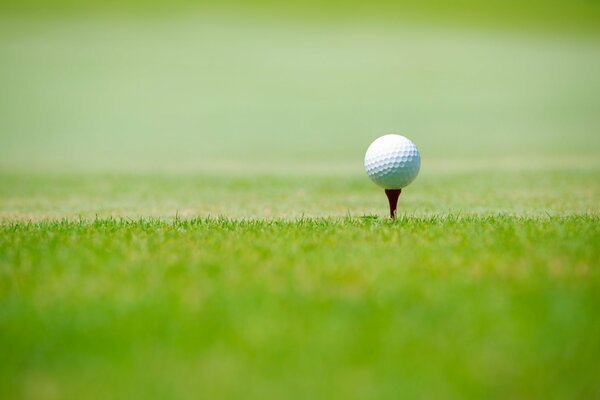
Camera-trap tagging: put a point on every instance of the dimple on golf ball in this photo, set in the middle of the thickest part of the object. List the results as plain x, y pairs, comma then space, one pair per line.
392, 161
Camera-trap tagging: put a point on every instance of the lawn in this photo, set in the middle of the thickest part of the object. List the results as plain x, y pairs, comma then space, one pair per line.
441, 306
180, 286
184, 212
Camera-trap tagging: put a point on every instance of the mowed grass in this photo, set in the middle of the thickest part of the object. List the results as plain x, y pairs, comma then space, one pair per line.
184, 214
297, 286
427, 307
515, 188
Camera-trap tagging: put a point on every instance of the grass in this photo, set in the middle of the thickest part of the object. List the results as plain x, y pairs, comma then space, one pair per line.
218, 93
528, 14
516, 190
183, 210
486, 285
495, 306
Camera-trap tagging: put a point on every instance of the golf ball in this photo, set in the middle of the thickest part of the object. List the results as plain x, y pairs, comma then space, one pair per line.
392, 161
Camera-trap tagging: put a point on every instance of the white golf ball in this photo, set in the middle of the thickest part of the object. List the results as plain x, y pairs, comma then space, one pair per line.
392, 161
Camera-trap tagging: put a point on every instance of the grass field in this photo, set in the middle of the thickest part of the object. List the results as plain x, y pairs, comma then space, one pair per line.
184, 213
486, 286
495, 306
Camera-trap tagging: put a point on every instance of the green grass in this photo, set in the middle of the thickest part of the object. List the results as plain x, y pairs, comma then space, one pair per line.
561, 15
486, 286
470, 189
184, 214
495, 306
220, 93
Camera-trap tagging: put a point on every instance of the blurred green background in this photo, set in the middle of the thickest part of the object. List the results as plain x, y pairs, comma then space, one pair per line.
263, 86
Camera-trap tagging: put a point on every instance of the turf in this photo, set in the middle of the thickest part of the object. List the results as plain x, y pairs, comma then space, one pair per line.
216, 93
495, 306
183, 210
466, 190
